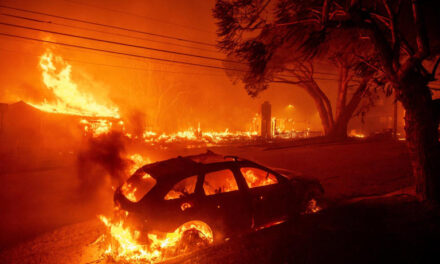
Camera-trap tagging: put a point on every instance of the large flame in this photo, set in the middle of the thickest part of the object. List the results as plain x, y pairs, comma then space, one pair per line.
69, 100
123, 246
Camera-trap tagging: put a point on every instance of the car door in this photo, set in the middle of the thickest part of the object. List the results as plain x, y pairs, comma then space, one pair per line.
225, 203
181, 203
269, 196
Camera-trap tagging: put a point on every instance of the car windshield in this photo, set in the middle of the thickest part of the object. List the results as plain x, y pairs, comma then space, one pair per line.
138, 185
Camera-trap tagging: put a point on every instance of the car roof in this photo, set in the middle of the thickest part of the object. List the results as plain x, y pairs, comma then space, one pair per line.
181, 167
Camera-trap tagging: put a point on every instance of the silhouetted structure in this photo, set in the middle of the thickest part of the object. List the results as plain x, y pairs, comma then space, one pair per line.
266, 123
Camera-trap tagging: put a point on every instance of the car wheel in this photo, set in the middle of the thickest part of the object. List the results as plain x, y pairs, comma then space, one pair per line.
194, 235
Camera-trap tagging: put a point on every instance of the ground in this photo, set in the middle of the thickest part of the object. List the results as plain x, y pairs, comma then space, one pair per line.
60, 226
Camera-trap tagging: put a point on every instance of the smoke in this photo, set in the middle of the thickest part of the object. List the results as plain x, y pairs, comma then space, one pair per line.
102, 160
135, 122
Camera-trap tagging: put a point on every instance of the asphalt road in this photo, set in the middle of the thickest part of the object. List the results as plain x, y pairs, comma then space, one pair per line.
45, 220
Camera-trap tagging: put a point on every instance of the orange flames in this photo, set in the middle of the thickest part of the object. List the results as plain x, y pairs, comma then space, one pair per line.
255, 181
100, 118
132, 190
355, 133
122, 242
138, 161
192, 135
69, 99
312, 207
123, 245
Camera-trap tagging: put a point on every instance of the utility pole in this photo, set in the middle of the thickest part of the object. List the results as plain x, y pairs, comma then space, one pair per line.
266, 120
395, 117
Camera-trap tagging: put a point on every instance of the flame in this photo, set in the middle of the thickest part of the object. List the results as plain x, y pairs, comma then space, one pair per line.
256, 181
135, 191
97, 127
354, 133
196, 136
312, 207
123, 245
138, 161
69, 100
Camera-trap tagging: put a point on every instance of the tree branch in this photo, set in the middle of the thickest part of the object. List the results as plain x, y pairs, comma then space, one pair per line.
435, 68
394, 35
422, 36
357, 96
325, 10
283, 80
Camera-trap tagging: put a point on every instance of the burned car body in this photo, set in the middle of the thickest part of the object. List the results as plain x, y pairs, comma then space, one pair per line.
230, 195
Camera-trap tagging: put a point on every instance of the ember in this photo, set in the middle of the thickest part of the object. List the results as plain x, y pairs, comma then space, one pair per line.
312, 207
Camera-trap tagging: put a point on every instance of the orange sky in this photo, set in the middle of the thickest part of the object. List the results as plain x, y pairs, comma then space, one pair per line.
171, 96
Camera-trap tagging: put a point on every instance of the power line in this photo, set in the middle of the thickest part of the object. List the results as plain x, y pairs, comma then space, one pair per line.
117, 43
134, 55
129, 45
135, 15
120, 53
104, 32
117, 66
143, 60
108, 26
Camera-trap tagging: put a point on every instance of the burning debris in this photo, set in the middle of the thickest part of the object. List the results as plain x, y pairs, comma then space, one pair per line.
126, 245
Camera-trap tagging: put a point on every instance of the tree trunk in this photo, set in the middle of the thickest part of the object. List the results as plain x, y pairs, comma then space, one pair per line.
322, 110
342, 89
421, 126
339, 129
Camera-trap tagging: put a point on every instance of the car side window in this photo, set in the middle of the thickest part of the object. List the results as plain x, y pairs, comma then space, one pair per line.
221, 181
183, 188
256, 177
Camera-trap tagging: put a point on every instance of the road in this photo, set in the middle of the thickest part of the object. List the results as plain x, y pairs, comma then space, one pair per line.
47, 221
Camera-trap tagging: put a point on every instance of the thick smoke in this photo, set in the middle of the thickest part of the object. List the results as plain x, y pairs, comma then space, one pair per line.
102, 159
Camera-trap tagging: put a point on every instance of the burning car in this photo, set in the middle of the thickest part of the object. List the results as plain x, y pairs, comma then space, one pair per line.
224, 195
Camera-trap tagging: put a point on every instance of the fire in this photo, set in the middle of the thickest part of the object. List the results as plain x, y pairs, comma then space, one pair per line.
312, 207
138, 161
254, 181
123, 245
69, 100
97, 127
134, 191
197, 136
354, 133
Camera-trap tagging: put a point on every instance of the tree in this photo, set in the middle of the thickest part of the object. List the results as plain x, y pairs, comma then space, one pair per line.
404, 36
247, 36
